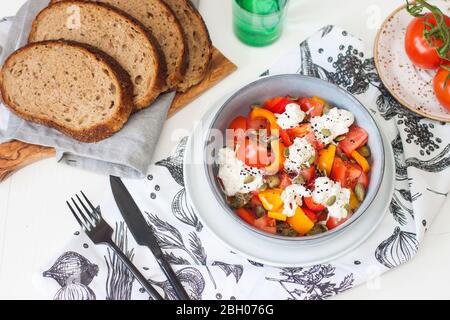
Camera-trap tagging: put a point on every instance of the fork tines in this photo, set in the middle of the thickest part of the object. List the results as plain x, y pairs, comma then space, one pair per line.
90, 216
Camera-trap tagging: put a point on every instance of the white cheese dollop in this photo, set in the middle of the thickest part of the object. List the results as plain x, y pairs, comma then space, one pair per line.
336, 122
324, 189
292, 198
291, 118
300, 152
234, 173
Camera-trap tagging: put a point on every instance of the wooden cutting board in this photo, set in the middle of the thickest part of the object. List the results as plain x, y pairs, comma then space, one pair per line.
15, 155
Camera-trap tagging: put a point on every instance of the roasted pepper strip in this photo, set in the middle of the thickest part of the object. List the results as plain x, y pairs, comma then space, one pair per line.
261, 113
277, 215
326, 159
361, 161
278, 157
271, 199
300, 222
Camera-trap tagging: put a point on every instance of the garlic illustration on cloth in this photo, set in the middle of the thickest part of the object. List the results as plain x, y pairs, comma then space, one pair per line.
397, 249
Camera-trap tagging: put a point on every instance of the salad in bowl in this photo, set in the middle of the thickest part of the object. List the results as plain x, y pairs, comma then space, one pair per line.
294, 166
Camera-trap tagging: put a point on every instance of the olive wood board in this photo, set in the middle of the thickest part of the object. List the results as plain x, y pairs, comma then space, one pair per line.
15, 155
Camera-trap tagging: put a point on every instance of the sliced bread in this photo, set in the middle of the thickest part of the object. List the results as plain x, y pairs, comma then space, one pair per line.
198, 40
165, 27
71, 87
113, 32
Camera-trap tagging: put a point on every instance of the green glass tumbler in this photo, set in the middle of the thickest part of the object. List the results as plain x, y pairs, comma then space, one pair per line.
258, 23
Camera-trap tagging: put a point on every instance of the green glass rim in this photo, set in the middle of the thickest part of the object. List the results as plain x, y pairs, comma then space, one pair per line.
263, 15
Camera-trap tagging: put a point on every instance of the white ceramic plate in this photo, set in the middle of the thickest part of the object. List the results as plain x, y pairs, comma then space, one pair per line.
411, 86
267, 250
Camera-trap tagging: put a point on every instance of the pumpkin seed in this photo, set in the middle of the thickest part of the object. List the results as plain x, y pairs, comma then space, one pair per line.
249, 179
293, 98
365, 151
286, 152
263, 187
327, 107
273, 181
340, 138
317, 229
299, 180
255, 106
360, 192
348, 209
240, 200
259, 211
326, 132
331, 200
312, 160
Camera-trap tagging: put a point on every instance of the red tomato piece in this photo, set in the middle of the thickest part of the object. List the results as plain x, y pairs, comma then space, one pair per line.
333, 223
309, 202
311, 137
312, 107
284, 134
253, 154
339, 171
277, 105
364, 180
309, 174
239, 127
285, 181
353, 174
246, 215
266, 224
355, 138
257, 124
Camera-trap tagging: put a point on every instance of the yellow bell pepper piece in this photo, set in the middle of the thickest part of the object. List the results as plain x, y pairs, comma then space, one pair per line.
277, 215
300, 222
261, 113
361, 161
277, 164
271, 199
318, 99
326, 159
354, 202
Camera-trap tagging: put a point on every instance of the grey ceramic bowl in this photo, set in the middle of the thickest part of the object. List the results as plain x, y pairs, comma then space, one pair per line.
294, 85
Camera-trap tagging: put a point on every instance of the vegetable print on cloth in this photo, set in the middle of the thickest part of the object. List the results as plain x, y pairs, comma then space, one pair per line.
207, 269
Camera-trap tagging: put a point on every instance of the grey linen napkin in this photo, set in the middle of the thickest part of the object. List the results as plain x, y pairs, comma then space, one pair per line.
127, 154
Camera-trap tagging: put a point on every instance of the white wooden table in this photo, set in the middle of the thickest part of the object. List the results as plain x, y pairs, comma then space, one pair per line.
34, 221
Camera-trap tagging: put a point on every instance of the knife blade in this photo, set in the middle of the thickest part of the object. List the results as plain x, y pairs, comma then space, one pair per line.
143, 233
138, 226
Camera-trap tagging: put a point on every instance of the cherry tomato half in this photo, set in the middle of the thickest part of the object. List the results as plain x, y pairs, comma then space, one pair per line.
253, 154
355, 138
309, 202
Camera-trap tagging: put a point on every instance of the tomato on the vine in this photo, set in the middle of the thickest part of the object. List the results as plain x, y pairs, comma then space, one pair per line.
420, 50
441, 85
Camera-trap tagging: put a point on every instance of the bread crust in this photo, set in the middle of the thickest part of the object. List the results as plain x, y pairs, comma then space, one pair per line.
158, 86
99, 131
183, 87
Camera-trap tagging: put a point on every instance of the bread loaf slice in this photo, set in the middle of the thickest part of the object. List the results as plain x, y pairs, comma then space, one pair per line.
113, 32
159, 19
198, 40
71, 87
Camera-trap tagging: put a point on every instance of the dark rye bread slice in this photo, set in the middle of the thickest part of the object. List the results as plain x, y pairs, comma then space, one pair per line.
157, 17
198, 40
113, 32
71, 87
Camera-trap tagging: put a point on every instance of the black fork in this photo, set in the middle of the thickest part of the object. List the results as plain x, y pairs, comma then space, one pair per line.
98, 230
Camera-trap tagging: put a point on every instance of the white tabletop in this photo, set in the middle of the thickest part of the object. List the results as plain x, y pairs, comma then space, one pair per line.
34, 221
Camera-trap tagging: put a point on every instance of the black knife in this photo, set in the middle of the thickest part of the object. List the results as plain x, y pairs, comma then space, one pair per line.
142, 232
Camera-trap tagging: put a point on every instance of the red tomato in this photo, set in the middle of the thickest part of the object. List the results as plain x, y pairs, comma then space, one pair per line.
355, 138
309, 202
239, 127
286, 138
266, 224
364, 180
441, 86
312, 107
311, 214
277, 105
309, 174
300, 131
285, 181
353, 174
419, 50
339, 171
333, 223
246, 215
255, 200
253, 154
257, 124
311, 137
